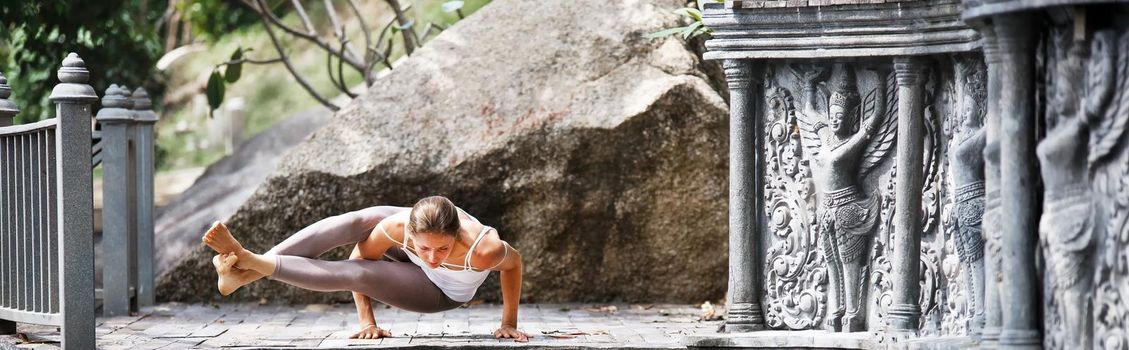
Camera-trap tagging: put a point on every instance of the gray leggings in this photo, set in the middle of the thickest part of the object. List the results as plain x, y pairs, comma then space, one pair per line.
394, 281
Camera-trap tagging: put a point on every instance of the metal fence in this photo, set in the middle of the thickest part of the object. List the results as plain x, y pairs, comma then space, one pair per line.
46, 209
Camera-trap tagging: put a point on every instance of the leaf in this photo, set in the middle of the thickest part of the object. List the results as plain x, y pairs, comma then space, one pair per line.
233, 71
452, 6
215, 91
664, 33
690, 29
691, 12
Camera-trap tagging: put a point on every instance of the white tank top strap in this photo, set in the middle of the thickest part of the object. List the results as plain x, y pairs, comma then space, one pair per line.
402, 244
505, 254
470, 251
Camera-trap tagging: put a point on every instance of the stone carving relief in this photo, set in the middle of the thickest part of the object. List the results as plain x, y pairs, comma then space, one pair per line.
1082, 232
933, 281
845, 142
829, 198
796, 276
966, 162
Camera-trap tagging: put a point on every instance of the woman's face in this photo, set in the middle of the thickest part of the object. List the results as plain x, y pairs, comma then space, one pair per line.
433, 248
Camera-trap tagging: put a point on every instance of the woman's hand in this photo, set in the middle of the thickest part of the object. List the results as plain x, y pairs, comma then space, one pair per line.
371, 332
507, 331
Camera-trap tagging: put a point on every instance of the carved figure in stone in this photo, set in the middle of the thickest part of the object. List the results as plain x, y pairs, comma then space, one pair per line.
1109, 163
843, 154
967, 164
1067, 226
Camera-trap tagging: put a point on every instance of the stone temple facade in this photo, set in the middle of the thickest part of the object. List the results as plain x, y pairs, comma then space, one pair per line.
926, 173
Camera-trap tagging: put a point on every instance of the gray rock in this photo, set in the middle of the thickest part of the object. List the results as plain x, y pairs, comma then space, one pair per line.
225, 185
597, 153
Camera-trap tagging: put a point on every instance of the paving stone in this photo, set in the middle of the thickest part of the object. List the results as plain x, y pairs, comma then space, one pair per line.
250, 325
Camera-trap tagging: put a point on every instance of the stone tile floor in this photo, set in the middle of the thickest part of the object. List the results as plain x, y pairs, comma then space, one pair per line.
250, 325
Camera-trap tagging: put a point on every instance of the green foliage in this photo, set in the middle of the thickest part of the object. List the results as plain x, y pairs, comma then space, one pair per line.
215, 90
214, 19
234, 70
117, 39
695, 28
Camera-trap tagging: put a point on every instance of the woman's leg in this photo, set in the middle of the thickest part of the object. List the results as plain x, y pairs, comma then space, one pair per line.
333, 232
314, 240
310, 242
400, 284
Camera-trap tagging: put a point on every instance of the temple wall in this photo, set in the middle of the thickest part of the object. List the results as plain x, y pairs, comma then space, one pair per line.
907, 171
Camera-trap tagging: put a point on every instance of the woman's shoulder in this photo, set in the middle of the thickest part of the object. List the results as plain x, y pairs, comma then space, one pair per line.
491, 250
393, 226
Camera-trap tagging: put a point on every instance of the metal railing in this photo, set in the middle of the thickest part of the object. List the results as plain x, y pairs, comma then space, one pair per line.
46, 209
47, 260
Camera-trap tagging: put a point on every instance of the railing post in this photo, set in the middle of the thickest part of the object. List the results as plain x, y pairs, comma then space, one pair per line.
73, 99
115, 117
8, 112
8, 109
144, 118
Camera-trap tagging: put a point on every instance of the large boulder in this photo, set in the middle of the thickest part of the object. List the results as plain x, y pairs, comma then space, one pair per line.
598, 153
227, 184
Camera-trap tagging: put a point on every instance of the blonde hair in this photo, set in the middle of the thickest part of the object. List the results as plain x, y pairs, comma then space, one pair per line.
435, 214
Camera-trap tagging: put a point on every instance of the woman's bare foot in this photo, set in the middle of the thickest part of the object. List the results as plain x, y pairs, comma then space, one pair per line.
219, 238
230, 277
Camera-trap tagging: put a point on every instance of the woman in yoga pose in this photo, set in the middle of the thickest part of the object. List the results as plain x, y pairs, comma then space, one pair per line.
428, 258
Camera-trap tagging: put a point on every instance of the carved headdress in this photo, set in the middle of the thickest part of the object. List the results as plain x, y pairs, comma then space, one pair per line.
975, 89
846, 93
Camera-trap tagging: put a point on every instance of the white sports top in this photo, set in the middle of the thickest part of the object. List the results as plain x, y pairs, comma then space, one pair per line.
460, 285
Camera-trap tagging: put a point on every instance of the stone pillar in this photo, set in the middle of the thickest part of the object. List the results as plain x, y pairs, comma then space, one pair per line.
1019, 206
144, 119
992, 316
117, 221
73, 98
905, 311
746, 198
8, 110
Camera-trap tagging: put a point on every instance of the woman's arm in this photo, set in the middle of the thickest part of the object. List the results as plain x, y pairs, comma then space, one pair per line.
372, 248
508, 262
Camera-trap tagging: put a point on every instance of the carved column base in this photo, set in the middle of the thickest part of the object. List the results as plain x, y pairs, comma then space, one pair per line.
1020, 339
744, 317
990, 337
904, 316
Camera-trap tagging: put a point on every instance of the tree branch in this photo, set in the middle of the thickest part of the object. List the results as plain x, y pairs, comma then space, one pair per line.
341, 76
305, 18
270, 19
402, 20
252, 61
289, 66
368, 40
339, 30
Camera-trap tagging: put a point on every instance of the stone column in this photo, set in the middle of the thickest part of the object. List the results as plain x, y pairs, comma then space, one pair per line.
992, 317
746, 198
1019, 177
144, 118
117, 221
905, 311
8, 110
73, 98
